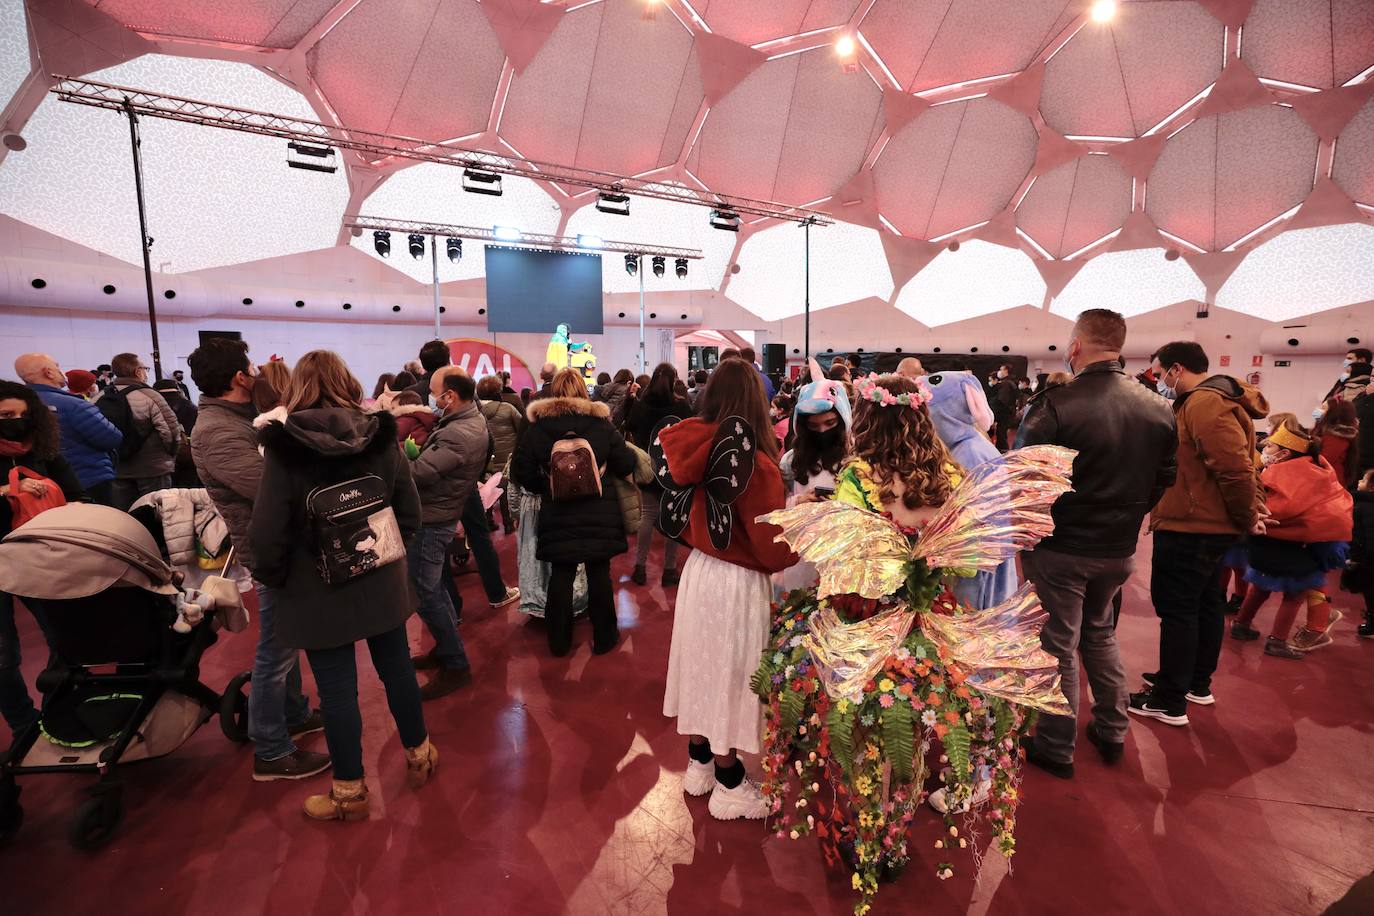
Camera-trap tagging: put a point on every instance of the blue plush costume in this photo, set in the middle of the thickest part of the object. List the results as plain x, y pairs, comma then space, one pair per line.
961, 414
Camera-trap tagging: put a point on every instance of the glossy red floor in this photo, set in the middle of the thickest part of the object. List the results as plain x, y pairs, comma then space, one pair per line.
559, 793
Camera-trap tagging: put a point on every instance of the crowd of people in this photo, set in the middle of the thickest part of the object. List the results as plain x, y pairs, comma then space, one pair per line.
576, 474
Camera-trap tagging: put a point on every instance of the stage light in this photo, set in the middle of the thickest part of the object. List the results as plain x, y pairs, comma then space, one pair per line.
632, 264
417, 245
725, 219
310, 157
590, 241
381, 240
681, 266
658, 265
455, 250
608, 202
844, 45
506, 233
1104, 10
477, 182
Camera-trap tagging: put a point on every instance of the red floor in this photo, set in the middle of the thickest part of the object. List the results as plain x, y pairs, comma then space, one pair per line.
559, 793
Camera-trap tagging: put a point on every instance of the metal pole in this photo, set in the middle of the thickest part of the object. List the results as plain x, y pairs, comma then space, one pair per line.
640, 271
147, 242
434, 256
806, 227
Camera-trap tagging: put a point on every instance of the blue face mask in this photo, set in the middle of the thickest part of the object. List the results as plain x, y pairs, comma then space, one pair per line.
1164, 389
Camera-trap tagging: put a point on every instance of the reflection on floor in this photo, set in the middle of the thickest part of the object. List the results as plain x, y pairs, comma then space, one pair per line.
559, 793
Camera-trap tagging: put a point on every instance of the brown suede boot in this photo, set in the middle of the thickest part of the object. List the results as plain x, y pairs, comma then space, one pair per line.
346, 801
420, 763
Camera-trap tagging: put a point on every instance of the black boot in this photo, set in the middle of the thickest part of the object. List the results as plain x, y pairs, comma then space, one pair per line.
1366, 629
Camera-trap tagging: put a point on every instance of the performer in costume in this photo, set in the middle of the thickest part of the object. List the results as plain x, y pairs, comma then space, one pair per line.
879, 663
557, 352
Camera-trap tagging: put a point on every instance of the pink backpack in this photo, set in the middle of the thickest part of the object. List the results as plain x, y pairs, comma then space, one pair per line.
573, 471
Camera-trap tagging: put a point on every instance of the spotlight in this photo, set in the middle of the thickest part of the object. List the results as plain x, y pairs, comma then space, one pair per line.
455, 250
1104, 10
632, 264
590, 241
658, 265
1172, 254
725, 219
417, 245
953, 245
478, 182
381, 240
613, 202
506, 233
310, 157
844, 45
680, 265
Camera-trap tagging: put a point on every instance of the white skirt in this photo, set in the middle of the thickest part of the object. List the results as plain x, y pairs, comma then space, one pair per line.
720, 626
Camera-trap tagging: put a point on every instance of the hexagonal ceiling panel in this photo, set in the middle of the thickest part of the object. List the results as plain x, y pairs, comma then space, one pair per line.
955, 165
977, 279
270, 23
1121, 78
1304, 271
847, 264
213, 197
425, 69
1225, 175
795, 130
609, 90
14, 48
1353, 168
752, 23
1075, 204
1318, 43
1129, 282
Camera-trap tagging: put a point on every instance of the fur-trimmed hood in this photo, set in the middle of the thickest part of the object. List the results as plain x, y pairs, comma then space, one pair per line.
563, 407
308, 436
401, 410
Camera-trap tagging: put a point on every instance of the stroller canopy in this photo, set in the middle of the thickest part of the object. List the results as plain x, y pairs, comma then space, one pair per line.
79, 550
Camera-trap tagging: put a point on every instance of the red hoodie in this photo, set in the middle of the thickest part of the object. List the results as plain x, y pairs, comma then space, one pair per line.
687, 445
1307, 500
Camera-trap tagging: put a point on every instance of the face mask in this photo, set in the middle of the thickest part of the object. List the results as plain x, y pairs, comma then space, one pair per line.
830, 438
1164, 389
16, 429
1318, 413
1268, 458
1348, 363
1345, 375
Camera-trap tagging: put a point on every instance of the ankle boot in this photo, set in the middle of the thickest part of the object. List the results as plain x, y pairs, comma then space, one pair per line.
640, 576
420, 763
346, 801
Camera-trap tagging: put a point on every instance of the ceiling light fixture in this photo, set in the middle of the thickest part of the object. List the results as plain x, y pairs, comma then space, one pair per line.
844, 45
659, 265
725, 219
381, 240
455, 250
613, 202
680, 265
477, 182
417, 245
631, 265
590, 241
1103, 10
506, 233
310, 157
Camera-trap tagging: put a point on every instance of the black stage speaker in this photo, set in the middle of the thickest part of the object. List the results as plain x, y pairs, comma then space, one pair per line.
774, 358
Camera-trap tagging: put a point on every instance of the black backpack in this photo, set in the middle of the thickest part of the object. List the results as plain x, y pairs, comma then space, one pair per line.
355, 529
114, 404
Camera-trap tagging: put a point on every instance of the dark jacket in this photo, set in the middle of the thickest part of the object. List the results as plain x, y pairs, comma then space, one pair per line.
449, 466
505, 423
616, 396
224, 446
55, 469
1362, 539
1364, 441
1003, 401
574, 531
87, 437
183, 408
645, 415
421, 387
1126, 442
320, 447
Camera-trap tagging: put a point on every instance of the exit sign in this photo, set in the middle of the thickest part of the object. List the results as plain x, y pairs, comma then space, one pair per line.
1280, 363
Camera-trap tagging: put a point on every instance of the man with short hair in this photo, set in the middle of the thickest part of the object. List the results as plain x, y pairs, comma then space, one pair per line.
747, 354
150, 467
546, 374
224, 447
434, 355
1003, 404
180, 378
1216, 500
1125, 440
87, 437
1356, 365
911, 368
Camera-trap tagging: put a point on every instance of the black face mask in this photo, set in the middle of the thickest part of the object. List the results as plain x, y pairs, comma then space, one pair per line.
16, 429
828, 439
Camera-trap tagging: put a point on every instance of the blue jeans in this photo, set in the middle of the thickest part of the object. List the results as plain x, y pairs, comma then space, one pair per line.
275, 701
483, 551
427, 555
336, 676
15, 703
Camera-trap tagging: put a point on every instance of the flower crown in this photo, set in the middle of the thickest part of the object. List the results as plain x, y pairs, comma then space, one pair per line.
868, 389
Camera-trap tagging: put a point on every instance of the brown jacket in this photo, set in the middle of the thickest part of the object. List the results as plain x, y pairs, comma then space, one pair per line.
1217, 490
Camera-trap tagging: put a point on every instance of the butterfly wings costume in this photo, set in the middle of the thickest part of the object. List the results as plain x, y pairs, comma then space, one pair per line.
729, 469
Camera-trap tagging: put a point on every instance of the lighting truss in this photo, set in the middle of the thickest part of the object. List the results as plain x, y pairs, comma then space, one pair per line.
378, 146
533, 239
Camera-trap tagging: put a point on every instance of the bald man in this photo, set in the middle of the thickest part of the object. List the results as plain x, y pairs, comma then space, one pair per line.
88, 439
911, 368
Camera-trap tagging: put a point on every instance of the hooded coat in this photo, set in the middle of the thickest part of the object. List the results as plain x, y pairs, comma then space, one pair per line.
413, 421
581, 530
314, 448
1307, 501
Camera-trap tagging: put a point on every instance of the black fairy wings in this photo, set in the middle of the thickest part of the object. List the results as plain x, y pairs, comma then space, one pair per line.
729, 469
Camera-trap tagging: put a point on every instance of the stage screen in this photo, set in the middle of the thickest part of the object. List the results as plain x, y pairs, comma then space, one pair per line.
534, 290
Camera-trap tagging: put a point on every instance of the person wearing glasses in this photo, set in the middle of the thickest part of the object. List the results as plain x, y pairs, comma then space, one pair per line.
152, 435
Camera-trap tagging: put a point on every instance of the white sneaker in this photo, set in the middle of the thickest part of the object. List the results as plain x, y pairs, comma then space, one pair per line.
1201, 699
744, 800
699, 779
940, 798
512, 594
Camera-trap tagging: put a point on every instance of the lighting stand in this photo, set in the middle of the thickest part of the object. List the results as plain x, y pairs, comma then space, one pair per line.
806, 227
146, 240
434, 257
640, 271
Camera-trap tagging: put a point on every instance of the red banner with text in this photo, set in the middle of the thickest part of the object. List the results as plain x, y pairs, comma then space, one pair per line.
480, 358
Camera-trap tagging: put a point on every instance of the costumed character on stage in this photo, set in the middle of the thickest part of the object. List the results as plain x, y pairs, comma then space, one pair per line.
867, 672
565, 353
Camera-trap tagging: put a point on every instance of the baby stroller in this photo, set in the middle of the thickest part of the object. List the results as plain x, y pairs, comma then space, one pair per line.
121, 684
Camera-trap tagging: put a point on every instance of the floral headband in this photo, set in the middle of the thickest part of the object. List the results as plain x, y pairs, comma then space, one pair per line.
868, 389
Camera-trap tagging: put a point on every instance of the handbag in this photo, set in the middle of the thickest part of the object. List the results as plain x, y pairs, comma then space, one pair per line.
355, 529
25, 505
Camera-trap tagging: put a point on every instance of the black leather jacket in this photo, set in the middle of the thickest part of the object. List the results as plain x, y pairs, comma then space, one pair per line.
1126, 440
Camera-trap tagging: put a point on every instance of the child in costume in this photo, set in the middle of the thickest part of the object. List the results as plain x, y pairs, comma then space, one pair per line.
1309, 536
865, 673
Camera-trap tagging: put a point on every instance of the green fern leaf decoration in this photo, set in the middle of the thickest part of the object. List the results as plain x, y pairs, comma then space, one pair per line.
899, 742
790, 707
956, 743
841, 727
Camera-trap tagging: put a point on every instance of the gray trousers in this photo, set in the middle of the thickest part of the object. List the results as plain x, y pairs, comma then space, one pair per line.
648, 502
1077, 594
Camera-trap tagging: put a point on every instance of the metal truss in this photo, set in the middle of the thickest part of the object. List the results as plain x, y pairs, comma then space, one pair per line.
374, 223
378, 146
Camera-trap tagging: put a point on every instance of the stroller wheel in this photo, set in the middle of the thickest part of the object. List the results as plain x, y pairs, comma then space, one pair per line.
233, 708
97, 819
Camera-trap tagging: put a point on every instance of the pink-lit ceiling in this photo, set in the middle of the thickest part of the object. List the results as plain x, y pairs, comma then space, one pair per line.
1202, 125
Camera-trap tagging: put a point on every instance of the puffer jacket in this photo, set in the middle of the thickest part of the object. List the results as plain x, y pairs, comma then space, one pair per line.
224, 447
450, 464
188, 517
154, 417
578, 530
1217, 490
413, 421
616, 396
506, 424
1306, 501
313, 448
644, 415
88, 439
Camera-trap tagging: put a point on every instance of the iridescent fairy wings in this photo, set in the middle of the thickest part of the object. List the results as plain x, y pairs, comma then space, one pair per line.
854, 550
